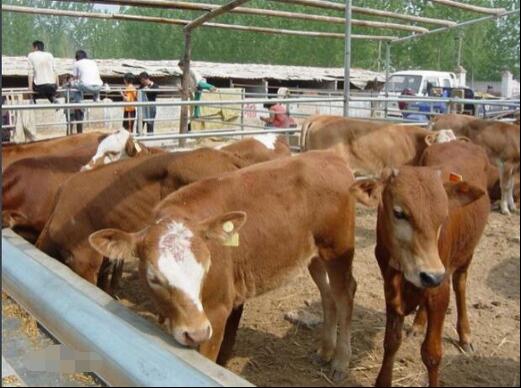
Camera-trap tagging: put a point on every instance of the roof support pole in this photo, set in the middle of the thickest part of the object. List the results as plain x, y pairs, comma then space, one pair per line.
347, 58
387, 68
187, 57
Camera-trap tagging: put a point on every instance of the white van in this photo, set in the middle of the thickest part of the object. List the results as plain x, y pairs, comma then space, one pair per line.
416, 81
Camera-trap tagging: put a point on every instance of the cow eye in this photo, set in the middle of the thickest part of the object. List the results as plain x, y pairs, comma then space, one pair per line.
399, 214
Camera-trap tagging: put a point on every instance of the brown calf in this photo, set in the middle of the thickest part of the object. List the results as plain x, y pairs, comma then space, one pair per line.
427, 230
218, 242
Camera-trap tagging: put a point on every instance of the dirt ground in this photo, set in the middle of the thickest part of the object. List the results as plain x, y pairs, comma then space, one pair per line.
270, 351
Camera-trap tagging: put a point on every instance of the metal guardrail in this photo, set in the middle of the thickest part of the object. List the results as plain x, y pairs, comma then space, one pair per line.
134, 352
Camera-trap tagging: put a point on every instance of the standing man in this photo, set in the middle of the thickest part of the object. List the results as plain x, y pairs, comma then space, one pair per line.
42, 79
197, 85
149, 112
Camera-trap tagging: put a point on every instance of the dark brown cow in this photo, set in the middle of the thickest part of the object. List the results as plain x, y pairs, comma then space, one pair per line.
63, 146
430, 220
216, 243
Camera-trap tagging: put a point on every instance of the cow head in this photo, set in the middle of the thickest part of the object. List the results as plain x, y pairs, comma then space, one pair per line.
414, 204
174, 260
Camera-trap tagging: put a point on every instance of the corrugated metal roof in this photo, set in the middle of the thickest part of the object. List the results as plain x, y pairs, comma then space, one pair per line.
17, 66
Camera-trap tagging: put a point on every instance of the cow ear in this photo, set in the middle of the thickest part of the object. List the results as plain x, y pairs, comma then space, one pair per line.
224, 228
462, 193
368, 191
430, 139
12, 218
114, 243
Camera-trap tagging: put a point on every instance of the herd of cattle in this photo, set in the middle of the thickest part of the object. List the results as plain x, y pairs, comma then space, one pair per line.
212, 228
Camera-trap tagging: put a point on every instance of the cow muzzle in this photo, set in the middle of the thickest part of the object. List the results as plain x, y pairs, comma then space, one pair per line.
193, 337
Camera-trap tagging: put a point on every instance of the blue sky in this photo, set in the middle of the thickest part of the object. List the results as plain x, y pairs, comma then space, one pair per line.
110, 8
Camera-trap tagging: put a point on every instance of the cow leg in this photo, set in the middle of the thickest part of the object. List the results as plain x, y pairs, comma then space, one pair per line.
329, 328
431, 351
343, 288
218, 318
230, 333
503, 184
392, 342
459, 283
511, 203
420, 319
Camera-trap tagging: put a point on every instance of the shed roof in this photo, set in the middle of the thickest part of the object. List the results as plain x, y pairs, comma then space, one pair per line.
17, 66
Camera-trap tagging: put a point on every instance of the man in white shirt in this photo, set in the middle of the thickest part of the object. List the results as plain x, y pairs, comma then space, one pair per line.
42, 79
85, 72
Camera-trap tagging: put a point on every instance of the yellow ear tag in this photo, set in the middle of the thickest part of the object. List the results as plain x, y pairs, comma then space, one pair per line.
232, 241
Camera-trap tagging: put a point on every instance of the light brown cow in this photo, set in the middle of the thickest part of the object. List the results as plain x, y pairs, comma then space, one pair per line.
67, 145
321, 132
215, 244
430, 220
259, 148
456, 122
501, 142
370, 146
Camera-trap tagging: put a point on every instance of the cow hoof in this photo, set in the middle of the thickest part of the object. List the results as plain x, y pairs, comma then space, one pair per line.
337, 375
415, 331
318, 360
505, 212
467, 348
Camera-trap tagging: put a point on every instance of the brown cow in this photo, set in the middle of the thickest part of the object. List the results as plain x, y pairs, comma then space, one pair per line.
292, 213
259, 148
370, 146
321, 132
122, 195
66, 145
427, 230
501, 142
456, 122
29, 188
127, 190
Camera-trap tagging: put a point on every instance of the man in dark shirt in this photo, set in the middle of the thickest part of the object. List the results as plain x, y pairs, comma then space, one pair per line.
149, 112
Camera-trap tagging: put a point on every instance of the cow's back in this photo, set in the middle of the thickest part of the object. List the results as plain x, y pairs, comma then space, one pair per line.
123, 194
30, 186
66, 145
322, 132
252, 150
388, 147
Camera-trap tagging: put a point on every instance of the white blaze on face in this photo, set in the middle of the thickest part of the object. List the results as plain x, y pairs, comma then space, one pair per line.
178, 264
268, 140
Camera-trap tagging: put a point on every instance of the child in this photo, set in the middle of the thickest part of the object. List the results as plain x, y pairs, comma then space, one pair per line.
129, 95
